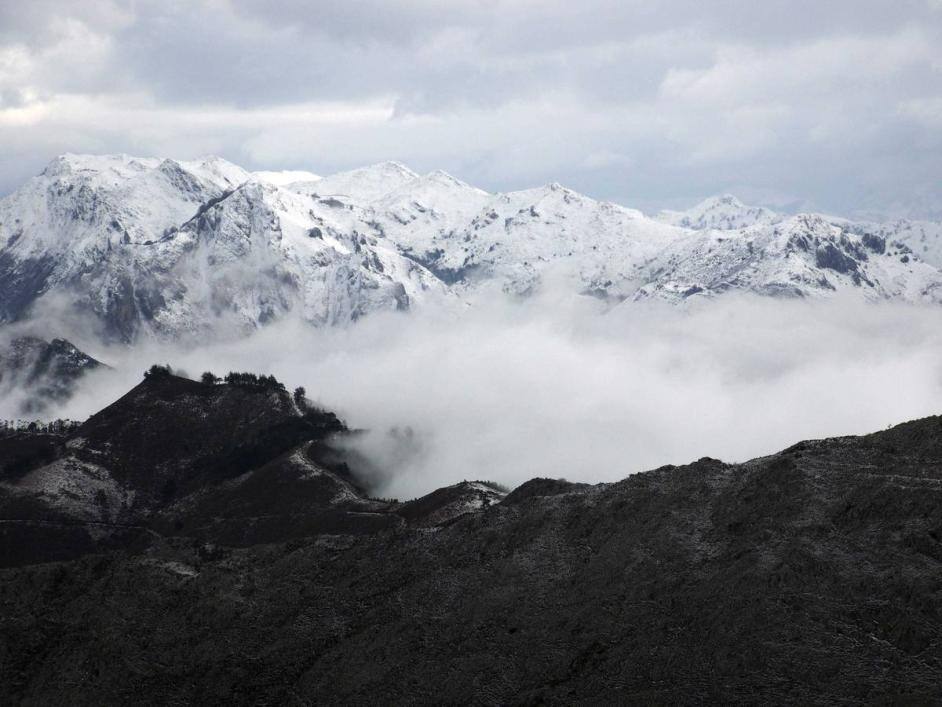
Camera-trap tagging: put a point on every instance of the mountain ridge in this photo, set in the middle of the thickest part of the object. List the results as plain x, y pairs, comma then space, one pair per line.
809, 575
42, 372
178, 250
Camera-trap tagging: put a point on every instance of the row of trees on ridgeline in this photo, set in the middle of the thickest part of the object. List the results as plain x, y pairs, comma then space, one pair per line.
56, 427
252, 380
244, 379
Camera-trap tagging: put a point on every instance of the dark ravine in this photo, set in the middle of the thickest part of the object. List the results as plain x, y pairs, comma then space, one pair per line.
227, 553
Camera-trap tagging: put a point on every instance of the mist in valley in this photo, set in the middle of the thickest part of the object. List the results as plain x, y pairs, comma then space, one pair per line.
563, 386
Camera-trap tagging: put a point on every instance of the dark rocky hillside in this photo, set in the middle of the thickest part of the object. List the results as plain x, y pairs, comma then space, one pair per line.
198, 543
42, 371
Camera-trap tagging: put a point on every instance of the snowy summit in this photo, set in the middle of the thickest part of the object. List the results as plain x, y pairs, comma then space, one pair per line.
175, 248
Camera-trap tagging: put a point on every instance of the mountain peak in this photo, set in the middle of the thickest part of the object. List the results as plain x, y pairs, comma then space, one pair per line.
367, 184
448, 181
410, 239
722, 212
121, 164
440, 175
389, 167
724, 200
217, 170
114, 170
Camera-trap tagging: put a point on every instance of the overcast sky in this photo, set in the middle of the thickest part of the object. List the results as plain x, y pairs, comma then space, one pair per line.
835, 104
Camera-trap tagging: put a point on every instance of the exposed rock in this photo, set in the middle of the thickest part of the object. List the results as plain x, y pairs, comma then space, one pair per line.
829, 257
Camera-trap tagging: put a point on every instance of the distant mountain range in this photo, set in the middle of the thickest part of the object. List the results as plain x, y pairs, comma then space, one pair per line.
182, 250
206, 543
727, 213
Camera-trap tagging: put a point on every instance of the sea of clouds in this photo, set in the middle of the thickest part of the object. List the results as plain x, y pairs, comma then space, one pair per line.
562, 386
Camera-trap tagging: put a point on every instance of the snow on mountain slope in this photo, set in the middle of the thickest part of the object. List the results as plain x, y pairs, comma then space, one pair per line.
803, 256
295, 254
84, 226
425, 213
366, 184
722, 212
726, 213
516, 237
217, 171
924, 238
80, 198
177, 249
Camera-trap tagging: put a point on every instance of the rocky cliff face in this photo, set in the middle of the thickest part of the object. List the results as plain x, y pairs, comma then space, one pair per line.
210, 546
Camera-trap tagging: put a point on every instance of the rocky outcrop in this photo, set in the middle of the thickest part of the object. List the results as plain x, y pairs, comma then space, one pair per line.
42, 372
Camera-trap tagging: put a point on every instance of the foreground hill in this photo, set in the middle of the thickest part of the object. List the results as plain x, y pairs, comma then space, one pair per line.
231, 556
238, 463
183, 250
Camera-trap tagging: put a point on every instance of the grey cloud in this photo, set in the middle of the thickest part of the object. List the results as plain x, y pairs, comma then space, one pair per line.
640, 102
39, 23
403, 22
547, 25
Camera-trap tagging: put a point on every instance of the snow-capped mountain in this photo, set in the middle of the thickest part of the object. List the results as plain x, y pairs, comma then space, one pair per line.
721, 212
800, 256
923, 238
366, 184
176, 249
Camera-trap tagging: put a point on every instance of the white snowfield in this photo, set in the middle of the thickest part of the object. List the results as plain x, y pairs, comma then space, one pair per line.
166, 248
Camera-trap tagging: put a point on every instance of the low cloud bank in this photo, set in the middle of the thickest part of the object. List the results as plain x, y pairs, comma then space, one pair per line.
559, 387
